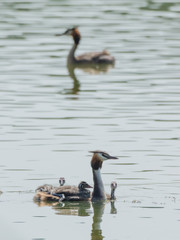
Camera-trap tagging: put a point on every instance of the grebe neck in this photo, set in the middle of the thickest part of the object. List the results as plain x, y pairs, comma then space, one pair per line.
98, 191
76, 38
112, 194
71, 58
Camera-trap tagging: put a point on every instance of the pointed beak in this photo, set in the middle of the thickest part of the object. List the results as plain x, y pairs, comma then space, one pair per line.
111, 157
60, 34
88, 186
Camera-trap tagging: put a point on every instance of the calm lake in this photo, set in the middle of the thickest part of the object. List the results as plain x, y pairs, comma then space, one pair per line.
50, 118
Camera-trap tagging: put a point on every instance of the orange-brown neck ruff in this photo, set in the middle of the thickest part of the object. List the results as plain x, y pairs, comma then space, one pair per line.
96, 162
76, 36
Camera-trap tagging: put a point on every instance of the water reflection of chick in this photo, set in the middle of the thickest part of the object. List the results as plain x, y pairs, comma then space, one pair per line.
113, 208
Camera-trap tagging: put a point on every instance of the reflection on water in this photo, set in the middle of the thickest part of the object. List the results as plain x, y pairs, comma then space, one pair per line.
158, 6
131, 110
98, 208
83, 209
68, 208
89, 68
76, 83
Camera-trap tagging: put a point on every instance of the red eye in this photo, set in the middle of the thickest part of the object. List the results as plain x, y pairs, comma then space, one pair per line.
104, 155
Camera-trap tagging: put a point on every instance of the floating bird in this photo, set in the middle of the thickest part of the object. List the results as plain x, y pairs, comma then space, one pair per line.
62, 181
113, 188
96, 163
48, 188
80, 193
66, 193
73, 193
87, 58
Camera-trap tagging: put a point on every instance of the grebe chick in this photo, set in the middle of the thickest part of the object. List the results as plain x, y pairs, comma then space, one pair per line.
87, 58
62, 181
45, 188
48, 188
113, 188
96, 163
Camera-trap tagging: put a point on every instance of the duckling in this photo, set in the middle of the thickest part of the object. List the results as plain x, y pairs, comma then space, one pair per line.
87, 58
96, 163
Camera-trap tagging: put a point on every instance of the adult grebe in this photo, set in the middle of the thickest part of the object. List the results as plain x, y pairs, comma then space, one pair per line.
66, 193
96, 164
87, 58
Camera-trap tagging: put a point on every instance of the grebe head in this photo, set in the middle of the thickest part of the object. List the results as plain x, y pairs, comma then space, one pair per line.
83, 185
74, 32
98, 158
61, 181
113, 185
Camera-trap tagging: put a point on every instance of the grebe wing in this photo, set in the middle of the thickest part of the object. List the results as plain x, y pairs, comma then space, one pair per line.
96, 57
66, 190
92, 55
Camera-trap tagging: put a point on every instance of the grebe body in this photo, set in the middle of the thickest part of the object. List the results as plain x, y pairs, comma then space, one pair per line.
73, 193
92, 58
66, 193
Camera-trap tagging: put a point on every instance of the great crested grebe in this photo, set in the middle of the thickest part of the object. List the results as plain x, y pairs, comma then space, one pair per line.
66, 193
48, 188
87, 58
96, 163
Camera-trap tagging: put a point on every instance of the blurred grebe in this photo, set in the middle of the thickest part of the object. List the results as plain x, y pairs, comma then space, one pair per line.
96, 163
87, 58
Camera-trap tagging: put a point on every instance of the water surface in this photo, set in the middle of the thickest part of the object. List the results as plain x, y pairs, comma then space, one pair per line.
51, 117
